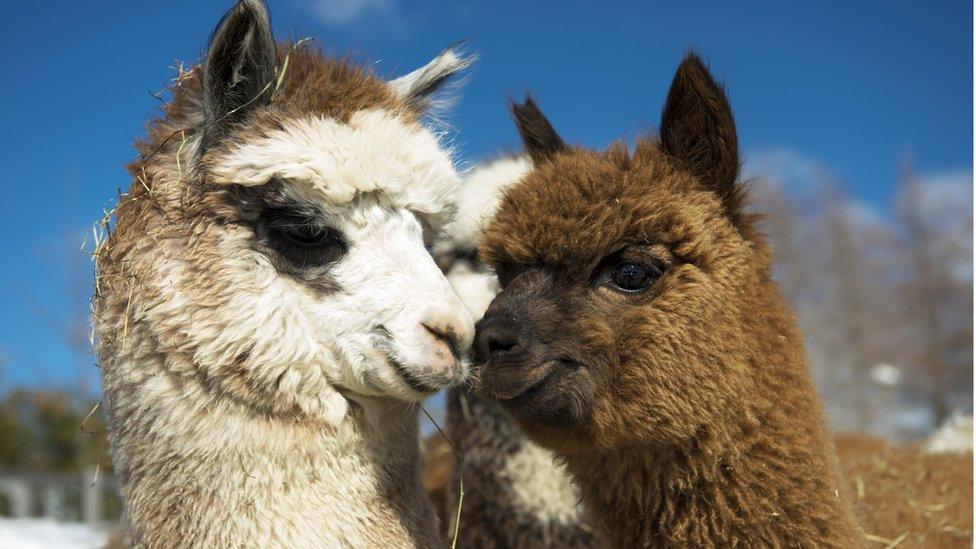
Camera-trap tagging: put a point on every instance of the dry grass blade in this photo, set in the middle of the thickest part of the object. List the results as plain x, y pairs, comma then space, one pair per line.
179, 152
98, 468
465, 409
84, 422
457, 455
128, 307
284, 64
897, 541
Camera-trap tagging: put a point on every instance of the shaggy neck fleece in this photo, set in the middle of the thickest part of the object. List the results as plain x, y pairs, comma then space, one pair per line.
198, 469
764, 476
516, 494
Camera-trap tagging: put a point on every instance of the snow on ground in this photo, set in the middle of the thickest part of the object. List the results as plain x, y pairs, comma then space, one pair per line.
954, 437
36, 533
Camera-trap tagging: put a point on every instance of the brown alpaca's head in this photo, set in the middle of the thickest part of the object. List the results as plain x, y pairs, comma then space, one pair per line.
624, 278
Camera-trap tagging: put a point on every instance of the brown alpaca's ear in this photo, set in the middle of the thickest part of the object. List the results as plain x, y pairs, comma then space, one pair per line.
240, 66
539, 137
697, 129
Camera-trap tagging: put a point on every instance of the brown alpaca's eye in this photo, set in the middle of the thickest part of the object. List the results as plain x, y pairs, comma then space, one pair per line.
632, 277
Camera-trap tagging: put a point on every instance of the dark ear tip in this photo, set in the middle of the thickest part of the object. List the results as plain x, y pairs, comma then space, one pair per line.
247, 12
244, 13
513, 103
692, 58
523, 108
252, 7
692, 64
538, 136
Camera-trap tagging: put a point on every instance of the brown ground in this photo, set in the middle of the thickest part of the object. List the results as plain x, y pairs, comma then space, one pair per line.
437, 474
902, 498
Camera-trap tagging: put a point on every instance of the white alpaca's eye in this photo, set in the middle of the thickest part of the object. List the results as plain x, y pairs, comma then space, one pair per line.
306, 234
301, 239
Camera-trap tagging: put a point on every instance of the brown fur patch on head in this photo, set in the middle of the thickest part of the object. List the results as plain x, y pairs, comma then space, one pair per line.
577, 208
331, 88
313, 84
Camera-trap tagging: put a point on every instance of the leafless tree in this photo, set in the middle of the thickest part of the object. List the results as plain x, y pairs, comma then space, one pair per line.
937, 292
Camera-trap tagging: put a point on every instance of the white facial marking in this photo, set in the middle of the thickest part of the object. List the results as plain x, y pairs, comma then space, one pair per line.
475, 285
480, 195
375, 151
392, 285
394, 327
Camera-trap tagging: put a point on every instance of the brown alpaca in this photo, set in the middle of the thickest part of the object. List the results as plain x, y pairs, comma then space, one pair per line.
640, 336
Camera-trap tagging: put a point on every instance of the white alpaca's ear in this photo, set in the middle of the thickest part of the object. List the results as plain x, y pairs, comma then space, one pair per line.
423, 88
240, 66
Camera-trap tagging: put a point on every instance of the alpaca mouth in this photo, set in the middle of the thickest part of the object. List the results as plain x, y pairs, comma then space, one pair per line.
513, 388
408, 379
552, 393
385, 347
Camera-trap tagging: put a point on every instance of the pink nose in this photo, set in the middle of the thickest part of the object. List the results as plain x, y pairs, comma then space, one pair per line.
442, 352
448, 332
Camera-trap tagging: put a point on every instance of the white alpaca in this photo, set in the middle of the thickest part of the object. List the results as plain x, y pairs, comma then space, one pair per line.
516, 493
267, 311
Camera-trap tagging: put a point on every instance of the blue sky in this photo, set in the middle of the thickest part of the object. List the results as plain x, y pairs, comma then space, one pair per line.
850, 86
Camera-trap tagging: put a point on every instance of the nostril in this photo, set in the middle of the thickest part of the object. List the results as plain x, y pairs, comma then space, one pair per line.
495, 337
501, 342
444, 335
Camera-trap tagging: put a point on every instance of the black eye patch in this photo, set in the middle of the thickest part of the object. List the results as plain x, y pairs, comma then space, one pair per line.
302, 239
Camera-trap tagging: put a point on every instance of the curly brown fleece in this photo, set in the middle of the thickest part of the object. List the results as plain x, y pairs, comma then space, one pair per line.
685, 412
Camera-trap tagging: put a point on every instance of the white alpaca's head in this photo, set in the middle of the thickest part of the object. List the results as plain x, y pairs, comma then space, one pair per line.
291, 259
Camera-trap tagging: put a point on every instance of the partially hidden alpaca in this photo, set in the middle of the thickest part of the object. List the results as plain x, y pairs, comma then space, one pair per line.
267, 311
515, 493
639, 335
